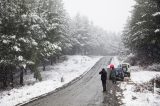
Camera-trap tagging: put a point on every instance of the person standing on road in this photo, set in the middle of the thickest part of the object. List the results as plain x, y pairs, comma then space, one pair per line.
113, 74
103, 78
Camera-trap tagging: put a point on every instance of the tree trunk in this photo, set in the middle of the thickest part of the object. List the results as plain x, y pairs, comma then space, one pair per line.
44, 66
54, 59
51, 60
21, 77
25, 71
11, 77
5, 77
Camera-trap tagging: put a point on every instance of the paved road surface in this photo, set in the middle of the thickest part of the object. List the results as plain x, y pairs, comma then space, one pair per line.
85, 92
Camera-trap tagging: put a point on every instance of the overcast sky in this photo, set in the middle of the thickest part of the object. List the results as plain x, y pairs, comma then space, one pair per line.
108, 14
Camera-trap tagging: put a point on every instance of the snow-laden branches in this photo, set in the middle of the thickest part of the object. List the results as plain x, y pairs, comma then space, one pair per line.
142, 32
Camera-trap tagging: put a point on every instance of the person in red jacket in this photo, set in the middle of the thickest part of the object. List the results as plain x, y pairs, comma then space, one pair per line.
103, 78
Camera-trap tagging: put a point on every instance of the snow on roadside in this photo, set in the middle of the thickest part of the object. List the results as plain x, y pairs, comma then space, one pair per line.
68, 70
132, 98
142, 97
143, 76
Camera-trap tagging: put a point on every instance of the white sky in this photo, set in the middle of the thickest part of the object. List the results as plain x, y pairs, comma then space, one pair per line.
108, 14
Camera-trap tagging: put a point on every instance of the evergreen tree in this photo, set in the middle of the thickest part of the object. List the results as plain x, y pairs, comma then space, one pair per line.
141, 34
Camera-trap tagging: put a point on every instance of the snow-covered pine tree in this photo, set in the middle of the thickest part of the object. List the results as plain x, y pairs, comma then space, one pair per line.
80, 33
53, 24
15, 36
141, 36
86, 38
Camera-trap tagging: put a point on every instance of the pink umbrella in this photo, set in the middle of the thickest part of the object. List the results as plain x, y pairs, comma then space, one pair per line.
110, 66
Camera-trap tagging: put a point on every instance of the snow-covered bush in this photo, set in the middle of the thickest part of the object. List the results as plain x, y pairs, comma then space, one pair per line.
149, 86
144, 87
154, 67
131, 59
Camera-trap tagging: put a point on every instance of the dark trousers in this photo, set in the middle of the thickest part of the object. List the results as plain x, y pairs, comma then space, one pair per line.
104, 85
114, 80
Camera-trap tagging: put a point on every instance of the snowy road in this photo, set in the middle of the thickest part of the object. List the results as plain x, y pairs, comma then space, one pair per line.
85, 92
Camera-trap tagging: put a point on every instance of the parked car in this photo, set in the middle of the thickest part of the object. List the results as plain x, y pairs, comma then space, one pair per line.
125, 67
119, 74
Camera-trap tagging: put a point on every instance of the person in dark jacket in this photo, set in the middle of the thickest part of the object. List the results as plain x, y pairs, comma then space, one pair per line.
103, 78
113, 75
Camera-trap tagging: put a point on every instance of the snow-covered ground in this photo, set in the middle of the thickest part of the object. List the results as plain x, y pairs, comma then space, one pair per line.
136, 89
55, 77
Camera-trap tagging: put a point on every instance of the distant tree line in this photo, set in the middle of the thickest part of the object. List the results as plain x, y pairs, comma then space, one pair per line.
33, 32
142, 32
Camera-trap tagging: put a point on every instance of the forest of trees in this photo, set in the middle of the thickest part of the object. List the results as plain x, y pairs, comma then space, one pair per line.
33, 32
142, 32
